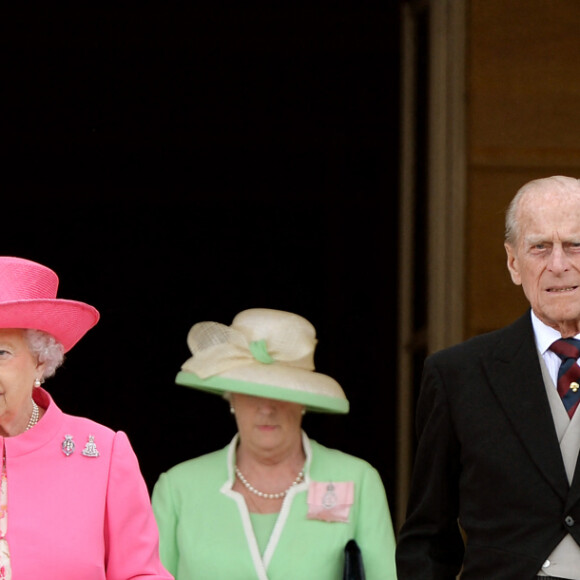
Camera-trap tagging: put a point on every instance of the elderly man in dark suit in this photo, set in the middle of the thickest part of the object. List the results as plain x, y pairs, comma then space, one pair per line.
496, 485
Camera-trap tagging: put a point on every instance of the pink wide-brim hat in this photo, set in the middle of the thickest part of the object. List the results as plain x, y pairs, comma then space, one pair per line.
28, 300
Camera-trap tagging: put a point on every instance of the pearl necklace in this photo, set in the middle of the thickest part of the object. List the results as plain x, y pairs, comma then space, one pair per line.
34, 417
278, 495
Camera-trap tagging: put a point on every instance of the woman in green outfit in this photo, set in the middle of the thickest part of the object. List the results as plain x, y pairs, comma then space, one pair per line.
273, 504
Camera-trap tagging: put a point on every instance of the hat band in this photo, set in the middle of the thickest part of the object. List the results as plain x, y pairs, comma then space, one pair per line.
260, 352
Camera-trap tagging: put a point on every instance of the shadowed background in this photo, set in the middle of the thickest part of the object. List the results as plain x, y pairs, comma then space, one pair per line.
177, 163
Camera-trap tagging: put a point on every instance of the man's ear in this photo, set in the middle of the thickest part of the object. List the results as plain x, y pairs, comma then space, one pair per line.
512, 264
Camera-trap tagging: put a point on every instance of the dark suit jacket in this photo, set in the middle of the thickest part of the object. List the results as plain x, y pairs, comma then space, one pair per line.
488, 456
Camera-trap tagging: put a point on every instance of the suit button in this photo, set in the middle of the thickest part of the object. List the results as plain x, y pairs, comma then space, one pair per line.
569, 521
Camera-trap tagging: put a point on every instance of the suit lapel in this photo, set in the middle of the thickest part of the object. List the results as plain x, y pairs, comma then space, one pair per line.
574, 495
515, 376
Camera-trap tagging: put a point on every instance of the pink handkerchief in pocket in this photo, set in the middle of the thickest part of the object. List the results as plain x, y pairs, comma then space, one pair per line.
330, 501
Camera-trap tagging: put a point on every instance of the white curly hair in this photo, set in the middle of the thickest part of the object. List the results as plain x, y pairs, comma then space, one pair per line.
46, 349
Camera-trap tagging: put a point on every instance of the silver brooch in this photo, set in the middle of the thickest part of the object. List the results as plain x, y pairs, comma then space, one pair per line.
90, 449
68, 445
329, 498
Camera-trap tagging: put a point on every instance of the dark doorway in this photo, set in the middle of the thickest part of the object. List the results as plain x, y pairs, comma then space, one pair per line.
177, 163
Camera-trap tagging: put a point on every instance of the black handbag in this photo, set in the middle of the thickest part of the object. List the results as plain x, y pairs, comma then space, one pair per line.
353, 562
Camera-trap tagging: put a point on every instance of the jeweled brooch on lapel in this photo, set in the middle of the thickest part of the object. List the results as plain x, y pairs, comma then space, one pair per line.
90, 449
68, 445
330, 501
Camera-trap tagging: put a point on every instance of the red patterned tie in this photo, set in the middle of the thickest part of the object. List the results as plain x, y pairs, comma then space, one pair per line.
568, 349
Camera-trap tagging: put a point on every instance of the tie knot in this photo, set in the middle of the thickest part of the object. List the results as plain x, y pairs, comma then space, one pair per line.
566, 348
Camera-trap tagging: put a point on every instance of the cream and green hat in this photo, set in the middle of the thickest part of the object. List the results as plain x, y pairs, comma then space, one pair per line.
264, 353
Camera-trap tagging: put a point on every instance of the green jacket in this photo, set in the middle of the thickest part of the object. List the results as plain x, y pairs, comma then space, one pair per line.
206, 533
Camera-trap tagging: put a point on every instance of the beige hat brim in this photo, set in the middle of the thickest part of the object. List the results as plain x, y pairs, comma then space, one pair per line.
317, 392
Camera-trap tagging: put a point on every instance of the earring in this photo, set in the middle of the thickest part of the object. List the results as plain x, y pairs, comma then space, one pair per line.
37, 383
232, 411
303, 411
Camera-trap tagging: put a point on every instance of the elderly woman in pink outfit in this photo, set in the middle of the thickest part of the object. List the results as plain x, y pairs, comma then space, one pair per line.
73, 502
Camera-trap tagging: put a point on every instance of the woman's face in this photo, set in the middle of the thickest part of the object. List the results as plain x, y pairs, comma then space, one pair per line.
18, 370
267, 425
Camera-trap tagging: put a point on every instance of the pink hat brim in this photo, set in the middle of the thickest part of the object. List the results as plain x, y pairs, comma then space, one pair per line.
66, 320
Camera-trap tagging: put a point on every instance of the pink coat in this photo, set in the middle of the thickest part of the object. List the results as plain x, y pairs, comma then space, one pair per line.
80, 516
